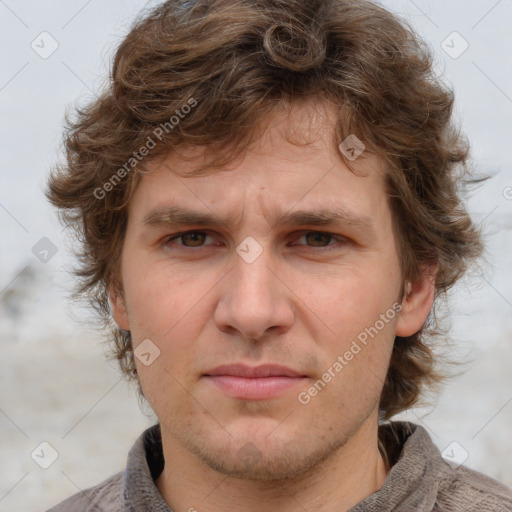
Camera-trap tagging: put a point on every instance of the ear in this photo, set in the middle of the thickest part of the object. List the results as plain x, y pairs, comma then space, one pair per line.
118, 308
417, 303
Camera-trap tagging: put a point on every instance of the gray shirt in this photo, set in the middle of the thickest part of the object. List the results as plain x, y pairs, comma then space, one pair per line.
419, 480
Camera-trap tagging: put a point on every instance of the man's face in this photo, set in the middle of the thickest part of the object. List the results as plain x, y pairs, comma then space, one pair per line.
206, 301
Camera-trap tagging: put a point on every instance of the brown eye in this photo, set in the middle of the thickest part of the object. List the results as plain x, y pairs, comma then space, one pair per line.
189, 239
193, 239
318, 239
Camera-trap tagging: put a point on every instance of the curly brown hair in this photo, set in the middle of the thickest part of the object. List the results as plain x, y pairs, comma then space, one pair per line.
206, 72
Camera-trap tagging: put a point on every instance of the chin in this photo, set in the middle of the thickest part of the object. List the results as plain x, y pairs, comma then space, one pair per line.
264, 460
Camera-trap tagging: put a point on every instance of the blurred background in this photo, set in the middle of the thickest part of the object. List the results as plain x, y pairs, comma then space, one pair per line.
57, 387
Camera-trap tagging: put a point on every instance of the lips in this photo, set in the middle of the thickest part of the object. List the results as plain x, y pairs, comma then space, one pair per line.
254, 383
249, 372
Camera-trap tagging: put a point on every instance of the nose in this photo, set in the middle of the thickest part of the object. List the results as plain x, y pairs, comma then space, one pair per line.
254, 299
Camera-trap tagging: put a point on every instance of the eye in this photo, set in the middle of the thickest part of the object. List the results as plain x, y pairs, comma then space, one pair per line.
189, 239
320, 239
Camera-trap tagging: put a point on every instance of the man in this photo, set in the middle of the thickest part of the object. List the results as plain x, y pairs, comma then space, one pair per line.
267, 200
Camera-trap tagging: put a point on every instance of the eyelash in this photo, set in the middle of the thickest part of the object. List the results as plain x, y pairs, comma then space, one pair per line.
169, 240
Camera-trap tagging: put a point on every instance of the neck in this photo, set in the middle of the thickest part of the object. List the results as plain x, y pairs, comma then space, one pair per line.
349, 475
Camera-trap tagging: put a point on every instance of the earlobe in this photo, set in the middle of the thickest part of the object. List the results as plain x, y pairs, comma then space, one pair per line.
118, 308
416, 304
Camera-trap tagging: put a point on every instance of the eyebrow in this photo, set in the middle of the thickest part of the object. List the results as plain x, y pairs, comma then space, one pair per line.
179, 216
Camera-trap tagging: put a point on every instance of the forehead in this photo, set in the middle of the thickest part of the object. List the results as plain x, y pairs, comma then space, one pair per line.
294, 163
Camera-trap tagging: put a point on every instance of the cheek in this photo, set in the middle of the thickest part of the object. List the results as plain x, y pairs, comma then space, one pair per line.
159, 298
356, 369
351, 302
166, 308
361, 312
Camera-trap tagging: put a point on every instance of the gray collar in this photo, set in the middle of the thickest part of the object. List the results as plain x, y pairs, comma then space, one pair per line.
412, 484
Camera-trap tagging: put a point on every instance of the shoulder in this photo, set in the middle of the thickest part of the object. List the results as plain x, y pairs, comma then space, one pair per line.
104, 497
420, 475
462, 488
126, 490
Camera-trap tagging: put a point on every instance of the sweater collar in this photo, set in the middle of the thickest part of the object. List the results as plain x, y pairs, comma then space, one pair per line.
414, 479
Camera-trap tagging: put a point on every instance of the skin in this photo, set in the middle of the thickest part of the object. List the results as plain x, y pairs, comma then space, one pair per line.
301, 303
